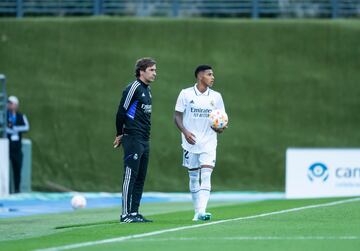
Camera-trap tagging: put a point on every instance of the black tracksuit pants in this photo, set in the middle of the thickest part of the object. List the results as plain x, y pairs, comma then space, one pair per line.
136, 158
16, 158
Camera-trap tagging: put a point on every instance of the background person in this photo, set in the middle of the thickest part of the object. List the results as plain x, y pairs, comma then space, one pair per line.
17, 124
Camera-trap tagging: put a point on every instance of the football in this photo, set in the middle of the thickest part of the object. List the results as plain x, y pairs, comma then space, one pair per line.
78, 201
218, 119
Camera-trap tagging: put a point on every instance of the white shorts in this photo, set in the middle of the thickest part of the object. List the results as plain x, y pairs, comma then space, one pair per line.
196, 160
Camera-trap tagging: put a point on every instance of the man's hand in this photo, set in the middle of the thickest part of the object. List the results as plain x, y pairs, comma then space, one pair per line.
219, 130
117, 141
190, 138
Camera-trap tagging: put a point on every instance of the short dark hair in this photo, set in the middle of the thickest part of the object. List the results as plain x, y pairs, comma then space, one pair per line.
142, 64
201, 68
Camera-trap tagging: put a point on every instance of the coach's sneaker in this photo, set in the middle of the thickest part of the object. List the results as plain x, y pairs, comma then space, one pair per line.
204, 216
142, 218
137, 218
126, 218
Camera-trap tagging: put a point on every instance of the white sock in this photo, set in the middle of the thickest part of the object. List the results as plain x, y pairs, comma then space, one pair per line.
205, 188
194, 186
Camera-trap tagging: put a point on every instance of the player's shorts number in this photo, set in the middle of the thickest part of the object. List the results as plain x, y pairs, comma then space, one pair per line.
196, 160
186, 154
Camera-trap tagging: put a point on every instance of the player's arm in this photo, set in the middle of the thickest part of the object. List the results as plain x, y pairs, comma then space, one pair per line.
178, 118
220, 106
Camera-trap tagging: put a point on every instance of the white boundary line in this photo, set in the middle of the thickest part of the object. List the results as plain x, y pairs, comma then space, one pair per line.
138, 236
250, 238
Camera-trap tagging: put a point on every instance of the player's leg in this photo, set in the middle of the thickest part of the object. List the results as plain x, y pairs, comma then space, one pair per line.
132, 150
194, 187
139, 184
207, 162
205, 188
190, 160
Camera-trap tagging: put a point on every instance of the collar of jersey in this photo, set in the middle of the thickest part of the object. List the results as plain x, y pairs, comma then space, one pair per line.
198, 93
141, 82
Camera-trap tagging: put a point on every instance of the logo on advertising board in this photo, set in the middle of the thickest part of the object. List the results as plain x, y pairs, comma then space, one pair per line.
318, 171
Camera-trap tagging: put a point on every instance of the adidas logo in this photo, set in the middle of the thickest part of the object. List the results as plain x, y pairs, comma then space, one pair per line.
192, 102
143, 95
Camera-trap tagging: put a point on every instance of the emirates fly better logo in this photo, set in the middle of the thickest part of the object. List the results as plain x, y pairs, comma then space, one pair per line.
318, 171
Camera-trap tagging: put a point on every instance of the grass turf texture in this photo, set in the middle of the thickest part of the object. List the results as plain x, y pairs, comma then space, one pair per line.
284, 82
324, 227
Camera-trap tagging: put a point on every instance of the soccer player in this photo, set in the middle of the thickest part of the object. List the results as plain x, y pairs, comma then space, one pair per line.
199, 140
133, 132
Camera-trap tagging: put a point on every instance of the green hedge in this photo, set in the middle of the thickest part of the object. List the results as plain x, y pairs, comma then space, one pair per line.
285, 83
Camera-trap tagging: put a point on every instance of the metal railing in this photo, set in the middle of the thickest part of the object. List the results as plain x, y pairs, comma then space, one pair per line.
3, 103
184, 8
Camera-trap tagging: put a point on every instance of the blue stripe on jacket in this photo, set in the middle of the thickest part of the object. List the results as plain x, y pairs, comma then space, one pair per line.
132, 110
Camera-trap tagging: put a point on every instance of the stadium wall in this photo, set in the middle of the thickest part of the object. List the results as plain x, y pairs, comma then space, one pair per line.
285, 84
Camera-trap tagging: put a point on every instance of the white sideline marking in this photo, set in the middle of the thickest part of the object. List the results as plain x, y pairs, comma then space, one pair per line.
251, 238
138, 236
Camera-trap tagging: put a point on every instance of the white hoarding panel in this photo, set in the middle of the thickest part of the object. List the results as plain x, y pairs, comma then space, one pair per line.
315, 173
4, 167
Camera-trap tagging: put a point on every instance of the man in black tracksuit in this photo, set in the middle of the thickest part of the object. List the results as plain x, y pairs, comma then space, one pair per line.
133, 131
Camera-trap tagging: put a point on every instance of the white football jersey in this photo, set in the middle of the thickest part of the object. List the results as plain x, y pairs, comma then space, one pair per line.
196, 107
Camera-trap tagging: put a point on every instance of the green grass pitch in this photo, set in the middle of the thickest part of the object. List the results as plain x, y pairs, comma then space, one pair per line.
317, 224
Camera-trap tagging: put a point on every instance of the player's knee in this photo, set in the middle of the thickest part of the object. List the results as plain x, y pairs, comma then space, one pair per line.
206, 178
194, 181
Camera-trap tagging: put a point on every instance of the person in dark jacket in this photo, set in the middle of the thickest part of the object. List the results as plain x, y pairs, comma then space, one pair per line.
133, 132
17, 124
